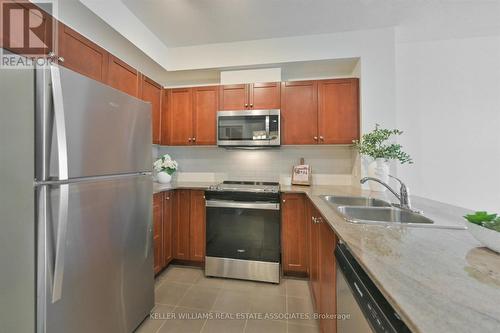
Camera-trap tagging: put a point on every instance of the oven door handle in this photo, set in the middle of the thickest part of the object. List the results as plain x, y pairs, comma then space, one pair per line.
244, 205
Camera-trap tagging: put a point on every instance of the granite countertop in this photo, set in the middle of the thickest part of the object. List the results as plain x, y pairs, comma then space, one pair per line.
439, 280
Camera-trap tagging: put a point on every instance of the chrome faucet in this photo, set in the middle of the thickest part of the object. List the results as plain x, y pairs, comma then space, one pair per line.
403, 196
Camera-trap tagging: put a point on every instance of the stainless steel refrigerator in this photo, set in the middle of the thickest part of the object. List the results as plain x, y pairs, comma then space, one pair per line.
76, 201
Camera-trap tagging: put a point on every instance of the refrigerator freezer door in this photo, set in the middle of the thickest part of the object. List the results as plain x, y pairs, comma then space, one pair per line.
104, 131
95, 255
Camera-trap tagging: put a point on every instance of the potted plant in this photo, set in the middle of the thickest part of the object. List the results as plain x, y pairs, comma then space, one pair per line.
375, 145
165, 167
485, 227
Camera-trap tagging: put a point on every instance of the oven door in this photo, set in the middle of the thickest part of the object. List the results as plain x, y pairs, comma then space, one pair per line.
248, 128
243, 230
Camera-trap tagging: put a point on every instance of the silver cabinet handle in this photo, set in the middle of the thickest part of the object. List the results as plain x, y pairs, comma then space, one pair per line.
194, 139
321, 138
189, 139
251, 105
246, 105
315, 138
62, 227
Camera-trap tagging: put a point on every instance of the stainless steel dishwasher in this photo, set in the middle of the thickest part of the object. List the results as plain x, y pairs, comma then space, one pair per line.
361, 301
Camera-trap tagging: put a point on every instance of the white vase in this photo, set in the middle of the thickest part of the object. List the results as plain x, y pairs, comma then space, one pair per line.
489, 238
378, 169
164, 177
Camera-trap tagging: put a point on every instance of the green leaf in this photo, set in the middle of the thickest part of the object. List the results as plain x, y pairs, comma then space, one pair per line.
493, 225
374, 144
480, 217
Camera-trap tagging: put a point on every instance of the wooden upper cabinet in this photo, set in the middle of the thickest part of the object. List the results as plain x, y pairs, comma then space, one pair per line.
327, 303
233, 97
299, 112
81, 55
181, 116
205, 106
338, 111
264, 96
294, 234
168, 199
152, 92
165, 118
197, 226
123, 77
250, 96
180, 224
158, 232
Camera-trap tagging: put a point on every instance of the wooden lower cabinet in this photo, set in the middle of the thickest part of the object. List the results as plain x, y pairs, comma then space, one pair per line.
327, 278
167, 227
189, 225
182, 206
197, 226
162, 230
158, 232
294, 232
322, 269
314, 244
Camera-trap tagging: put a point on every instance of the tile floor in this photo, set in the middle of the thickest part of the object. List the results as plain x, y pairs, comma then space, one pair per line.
224, 305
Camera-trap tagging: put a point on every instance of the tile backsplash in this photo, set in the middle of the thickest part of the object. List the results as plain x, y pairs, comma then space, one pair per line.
330, 164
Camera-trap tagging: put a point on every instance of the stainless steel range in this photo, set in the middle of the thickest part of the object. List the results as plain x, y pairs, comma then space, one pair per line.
243, 231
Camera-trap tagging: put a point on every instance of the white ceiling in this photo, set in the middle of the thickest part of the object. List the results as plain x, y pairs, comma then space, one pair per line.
194, 22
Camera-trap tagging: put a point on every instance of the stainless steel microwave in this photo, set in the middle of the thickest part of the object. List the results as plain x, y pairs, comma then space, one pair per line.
248, 128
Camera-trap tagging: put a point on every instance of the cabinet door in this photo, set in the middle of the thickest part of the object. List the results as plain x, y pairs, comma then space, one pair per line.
299, 112
205, 105
327, 278
81, 55
123, 77
294, 234
314, 254
197, 226
181, 116
180, 223
167, 227
158, 231
152, 92
234, 97
264, 95
165, 119
338, 111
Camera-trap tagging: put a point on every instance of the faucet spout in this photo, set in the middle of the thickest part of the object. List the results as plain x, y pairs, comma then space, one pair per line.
364, 180
403, 196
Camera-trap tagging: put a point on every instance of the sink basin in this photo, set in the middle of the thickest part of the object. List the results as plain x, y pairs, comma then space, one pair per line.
383, 215
355, 201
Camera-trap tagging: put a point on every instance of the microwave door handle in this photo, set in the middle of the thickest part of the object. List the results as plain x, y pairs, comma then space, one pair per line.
268, 134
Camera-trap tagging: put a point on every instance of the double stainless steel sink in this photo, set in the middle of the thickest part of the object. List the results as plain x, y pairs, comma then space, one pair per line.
366, 210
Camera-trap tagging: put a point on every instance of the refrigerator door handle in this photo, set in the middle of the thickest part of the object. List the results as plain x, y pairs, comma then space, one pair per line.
60, 123
62, 227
